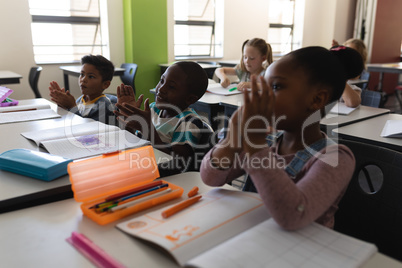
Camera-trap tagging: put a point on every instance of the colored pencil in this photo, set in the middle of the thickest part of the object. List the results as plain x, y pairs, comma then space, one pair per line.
137, 201
179, 207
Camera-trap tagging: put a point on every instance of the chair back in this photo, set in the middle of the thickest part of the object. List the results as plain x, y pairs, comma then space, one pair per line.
364, 76
371, 208
371, 98
129, 74
33, 80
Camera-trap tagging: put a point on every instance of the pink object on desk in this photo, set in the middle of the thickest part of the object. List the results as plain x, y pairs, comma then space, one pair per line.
4, 93
92, 252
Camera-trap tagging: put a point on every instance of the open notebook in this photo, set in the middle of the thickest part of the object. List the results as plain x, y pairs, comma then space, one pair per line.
219, 90
84, 140
230, 228
29, 112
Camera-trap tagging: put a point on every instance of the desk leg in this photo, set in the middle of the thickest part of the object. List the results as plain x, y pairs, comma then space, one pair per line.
66, 85
380, 81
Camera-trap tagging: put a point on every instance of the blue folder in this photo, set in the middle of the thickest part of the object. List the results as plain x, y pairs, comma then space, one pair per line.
34, 164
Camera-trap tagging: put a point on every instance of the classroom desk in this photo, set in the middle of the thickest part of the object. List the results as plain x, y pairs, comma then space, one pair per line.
393, 67
327, 124
369, 131
228, 63
8, 77
35, 237
332, 121
209, 68
76, 71
17, 191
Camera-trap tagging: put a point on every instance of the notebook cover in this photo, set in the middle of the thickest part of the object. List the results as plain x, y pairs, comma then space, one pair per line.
34, 164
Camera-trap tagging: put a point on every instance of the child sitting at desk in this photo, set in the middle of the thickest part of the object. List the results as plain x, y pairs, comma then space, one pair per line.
352, 93
96, 76
169, 123
256, 56
299, 173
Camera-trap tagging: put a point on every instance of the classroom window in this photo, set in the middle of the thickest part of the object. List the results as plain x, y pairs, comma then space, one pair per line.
65, 30
283, 30
195, 29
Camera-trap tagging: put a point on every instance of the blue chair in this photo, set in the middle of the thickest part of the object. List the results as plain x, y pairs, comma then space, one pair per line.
371, 98
33, 79
364, 76
128, 77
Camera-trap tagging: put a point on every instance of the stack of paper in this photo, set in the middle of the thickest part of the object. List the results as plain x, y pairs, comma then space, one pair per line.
342, 109
392, 129
20, 113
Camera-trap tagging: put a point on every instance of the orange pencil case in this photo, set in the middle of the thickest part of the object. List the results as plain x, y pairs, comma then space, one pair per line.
94, 180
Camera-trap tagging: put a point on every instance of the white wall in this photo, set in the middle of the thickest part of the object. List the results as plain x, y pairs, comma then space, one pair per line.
323, 21
16, 52
243, 20
327, 20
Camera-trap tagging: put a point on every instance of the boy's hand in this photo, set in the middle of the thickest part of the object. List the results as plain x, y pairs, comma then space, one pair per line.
62, 98
125, 94
133, 118
257, 115
55, 87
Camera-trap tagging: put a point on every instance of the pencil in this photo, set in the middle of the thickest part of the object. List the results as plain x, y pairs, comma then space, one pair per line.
232, 89
134, 190
145, 198
179, 207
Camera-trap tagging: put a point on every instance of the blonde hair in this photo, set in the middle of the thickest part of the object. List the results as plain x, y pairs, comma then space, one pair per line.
263, 47
359, 46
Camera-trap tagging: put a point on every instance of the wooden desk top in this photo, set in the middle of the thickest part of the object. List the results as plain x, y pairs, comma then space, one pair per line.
8, 77
370, 130
332, 121
9, 74
36, 236
392, 67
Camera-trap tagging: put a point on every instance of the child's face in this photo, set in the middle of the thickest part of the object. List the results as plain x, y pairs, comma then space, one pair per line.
90, 82
253, 59
293, 94
172, 90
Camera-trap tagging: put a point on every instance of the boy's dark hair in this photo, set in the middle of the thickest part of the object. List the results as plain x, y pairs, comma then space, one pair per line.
330, 68
103, 65
197, 79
